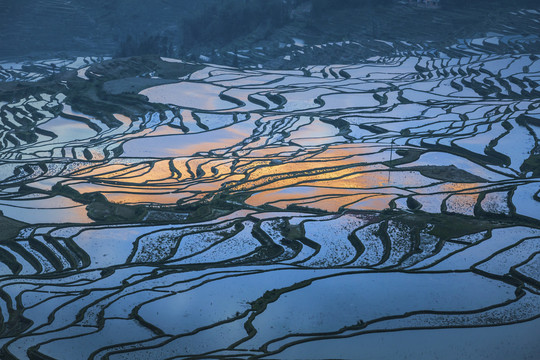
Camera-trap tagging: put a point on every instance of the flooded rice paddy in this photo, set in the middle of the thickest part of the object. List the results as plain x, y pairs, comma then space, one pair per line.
381, 208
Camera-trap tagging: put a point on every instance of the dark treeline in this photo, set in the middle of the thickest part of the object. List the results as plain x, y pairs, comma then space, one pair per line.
213, 24
453, 4
179, 27
144, 45
216, 23
230, 19
320, 7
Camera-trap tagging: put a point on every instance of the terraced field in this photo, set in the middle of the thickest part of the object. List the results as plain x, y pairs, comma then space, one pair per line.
154, 208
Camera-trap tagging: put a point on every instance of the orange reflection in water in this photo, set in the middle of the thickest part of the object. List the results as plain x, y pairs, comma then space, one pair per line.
375, 202
328, 191
460, 187
356, 177
100, 170
187, 144
84, 188
327, 203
